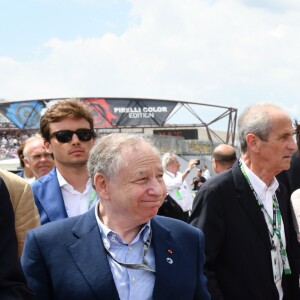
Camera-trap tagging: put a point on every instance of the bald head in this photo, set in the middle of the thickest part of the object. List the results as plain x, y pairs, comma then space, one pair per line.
224, 157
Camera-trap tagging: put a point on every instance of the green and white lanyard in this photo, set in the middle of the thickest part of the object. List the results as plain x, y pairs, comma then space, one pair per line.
275, 223
92, 198
177, 192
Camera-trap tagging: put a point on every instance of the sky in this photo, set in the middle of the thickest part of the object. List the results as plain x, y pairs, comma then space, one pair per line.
221, 52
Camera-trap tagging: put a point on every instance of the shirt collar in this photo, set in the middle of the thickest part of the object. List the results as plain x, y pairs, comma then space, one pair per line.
63, 183
109, 236
258, 185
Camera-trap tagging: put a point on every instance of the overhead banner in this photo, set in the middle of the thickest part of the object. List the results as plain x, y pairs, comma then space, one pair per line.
107, 112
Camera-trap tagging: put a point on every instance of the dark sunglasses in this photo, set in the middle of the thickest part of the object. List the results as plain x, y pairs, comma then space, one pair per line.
65, 136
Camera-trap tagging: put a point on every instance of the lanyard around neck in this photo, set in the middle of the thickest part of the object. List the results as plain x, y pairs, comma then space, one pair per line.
144, 265
92, 198
276, 221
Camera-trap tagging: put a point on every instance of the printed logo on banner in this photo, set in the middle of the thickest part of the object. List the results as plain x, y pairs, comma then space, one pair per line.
24, 114
102, 114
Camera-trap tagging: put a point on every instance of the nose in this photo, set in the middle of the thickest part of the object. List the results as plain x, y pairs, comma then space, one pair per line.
75, 139
157, 187
292, 145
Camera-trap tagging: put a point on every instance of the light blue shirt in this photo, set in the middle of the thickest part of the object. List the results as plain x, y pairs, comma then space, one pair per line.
131, 284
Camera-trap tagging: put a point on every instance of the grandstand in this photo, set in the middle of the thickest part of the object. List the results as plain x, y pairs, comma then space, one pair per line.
186, 128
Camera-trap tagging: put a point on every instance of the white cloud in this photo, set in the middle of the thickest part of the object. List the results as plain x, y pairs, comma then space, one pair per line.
220, 52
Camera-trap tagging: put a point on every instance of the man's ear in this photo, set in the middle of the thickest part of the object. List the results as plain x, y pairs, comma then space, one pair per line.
47, 146
215, 164
101, 185
253, 142
26, 162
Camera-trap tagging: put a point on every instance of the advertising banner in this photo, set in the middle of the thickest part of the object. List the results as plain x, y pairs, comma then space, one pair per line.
107, 112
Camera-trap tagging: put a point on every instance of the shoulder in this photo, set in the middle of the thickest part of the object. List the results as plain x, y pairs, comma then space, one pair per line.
44, 179
60, 230
176, 227
54, 231
11, 178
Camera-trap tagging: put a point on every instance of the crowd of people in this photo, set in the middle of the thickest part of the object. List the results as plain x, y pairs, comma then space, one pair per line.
88, 207
10, 141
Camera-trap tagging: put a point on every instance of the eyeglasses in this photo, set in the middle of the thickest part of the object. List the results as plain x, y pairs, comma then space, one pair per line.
65, 136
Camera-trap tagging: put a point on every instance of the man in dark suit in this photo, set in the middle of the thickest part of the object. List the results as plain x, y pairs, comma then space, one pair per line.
120, 249
246, 216
12, 282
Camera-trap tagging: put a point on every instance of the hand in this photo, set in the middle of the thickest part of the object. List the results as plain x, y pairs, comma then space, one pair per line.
193, 163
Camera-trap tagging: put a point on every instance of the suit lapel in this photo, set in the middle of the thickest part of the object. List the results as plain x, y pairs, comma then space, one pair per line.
51, 198
248, 201
166, 253
89, 255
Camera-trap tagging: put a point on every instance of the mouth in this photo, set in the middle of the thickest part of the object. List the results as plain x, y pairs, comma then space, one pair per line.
76, 151
287, 157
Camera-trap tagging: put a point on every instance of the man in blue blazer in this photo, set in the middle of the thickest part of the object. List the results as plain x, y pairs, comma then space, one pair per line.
120, 249
68, 131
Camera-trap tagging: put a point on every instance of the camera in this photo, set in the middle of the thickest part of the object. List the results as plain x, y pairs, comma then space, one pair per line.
198, 162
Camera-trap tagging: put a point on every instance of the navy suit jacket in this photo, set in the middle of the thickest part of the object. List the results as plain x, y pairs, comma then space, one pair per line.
67, 260
48, 198
238, 247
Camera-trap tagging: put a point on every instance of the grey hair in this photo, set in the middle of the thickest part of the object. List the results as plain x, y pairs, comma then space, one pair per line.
167, 159
106, 155
35, 137
256, 119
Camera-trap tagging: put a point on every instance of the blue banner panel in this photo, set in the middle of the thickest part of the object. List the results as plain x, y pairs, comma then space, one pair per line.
25, 115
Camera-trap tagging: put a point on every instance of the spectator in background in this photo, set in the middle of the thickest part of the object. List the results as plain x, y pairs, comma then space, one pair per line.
246, 215
291, 180
25, 211
177, 186
120, 249
68, 130
223, 157
205, 172
26, 172
36, 157
12, 281
198, 180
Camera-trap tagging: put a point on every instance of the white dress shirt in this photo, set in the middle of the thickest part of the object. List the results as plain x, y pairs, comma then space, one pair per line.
77, 203
179, 190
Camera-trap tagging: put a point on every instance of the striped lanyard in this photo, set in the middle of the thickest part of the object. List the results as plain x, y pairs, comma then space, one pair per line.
275, 223
142, 266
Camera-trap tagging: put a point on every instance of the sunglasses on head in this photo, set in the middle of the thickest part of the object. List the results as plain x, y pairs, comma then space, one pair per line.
65, 136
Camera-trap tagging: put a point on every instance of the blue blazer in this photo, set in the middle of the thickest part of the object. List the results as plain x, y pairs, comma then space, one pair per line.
48, 198
66, 260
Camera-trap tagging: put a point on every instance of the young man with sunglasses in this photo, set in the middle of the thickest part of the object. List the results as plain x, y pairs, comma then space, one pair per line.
68, 131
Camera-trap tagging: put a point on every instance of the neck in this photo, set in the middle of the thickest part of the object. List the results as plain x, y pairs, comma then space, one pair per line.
77, 177
28, 173
259, 169
126, 231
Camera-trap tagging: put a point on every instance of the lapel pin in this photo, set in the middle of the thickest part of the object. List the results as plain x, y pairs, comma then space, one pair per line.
169, 260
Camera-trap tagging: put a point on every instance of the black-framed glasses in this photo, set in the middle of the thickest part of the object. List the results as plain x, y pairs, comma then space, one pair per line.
65, 136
